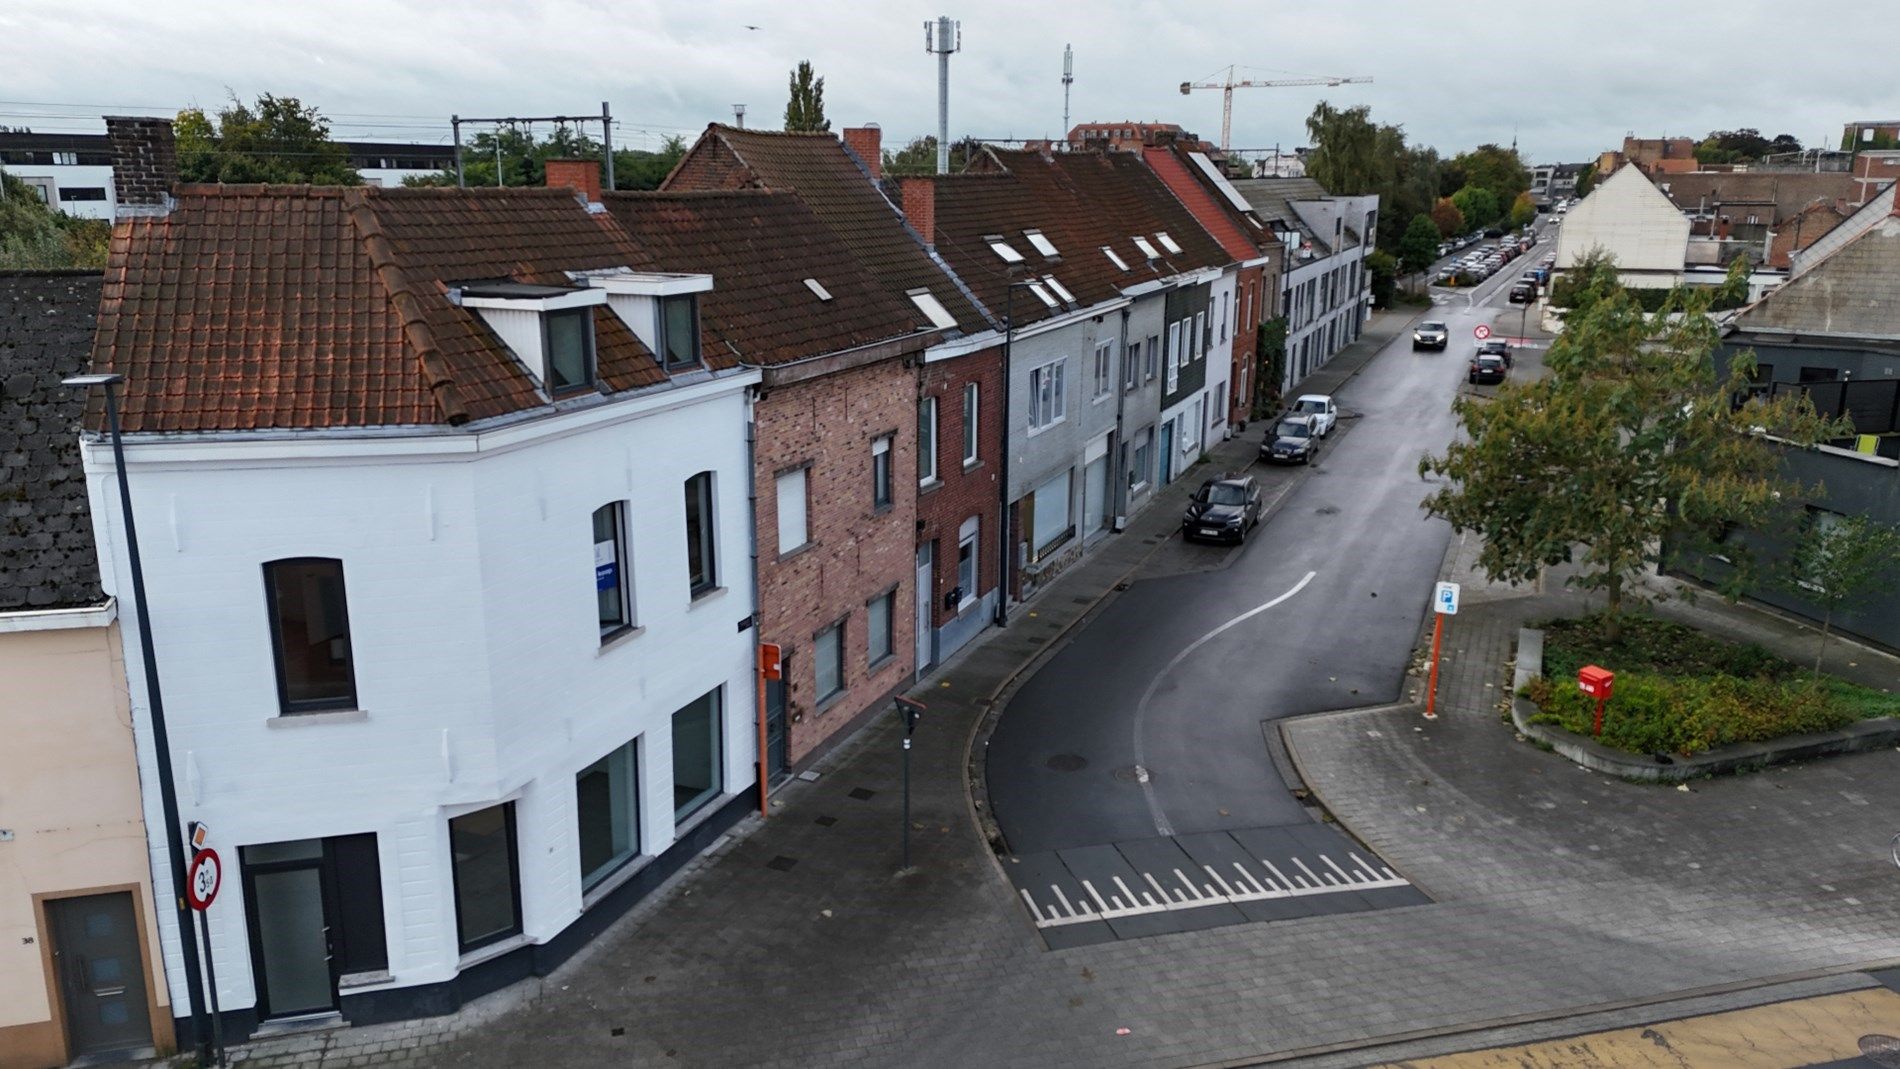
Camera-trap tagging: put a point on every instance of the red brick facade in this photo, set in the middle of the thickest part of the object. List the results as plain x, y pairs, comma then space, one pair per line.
855, 552
962, 491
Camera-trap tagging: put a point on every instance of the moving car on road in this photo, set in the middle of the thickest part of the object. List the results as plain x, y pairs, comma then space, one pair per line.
1291, 441
1319, 410
1487, 369
1224, 509
1431, 334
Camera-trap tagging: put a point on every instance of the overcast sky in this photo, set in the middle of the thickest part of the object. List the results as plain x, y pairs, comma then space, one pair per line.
1568, 78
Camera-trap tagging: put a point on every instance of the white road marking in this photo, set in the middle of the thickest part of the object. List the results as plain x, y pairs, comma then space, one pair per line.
1141, 709
1243, 884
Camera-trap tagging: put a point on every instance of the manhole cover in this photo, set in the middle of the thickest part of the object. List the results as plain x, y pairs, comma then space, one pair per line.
1883, 1050
782, 863
825, 822
1133, 774
1068, 762
861, 793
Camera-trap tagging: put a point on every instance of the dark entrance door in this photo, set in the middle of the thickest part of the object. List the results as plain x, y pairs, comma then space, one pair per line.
315, 913
777, 744
101, 972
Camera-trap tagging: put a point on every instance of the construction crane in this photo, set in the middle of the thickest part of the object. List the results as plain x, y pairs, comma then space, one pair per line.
1230, 83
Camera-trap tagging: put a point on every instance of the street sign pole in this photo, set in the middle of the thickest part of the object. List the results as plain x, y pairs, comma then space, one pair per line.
910, 710
203, 878
1444, 603
211, 982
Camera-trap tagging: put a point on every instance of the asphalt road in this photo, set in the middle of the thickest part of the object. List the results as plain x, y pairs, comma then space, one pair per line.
1162, 696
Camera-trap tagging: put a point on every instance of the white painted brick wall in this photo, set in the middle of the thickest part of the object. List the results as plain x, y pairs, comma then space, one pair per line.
470, 584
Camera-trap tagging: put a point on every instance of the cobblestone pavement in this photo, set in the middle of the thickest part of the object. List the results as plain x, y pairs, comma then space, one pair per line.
1559, 892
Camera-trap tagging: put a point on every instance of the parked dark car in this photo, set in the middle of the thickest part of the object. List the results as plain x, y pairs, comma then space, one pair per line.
1487, 369
1291, 441
1523, 292
1224, 509
1499, 348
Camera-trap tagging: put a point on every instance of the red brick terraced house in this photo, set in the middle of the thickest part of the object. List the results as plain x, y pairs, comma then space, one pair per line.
920, 565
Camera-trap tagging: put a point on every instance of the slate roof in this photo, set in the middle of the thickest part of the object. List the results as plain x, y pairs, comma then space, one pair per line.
1272, 200
292, 307
1847, 295
838, 190
760, 247
1787, 192
47, 559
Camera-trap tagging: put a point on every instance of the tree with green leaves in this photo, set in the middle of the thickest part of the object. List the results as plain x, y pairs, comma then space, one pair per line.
522, 157
1419, 247
1586, 179
1523, 210
1629, 444
1349, 156
1382, 271
274, 139
1497, 169
805, 111
1840, 562
37, 237
1446, 216
919, 156
1478, 205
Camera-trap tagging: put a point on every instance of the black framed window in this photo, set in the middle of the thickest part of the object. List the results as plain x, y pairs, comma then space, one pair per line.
613, 582
607, 813
877, 628
696, 766
828, 661
569, 335
310, 634
701, 546
881, 472
679, 331
487, 876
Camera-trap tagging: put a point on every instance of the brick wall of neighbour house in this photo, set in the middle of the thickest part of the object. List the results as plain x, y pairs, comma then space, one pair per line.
855, 552
144, 160
1249, 294
709, 166
962, 492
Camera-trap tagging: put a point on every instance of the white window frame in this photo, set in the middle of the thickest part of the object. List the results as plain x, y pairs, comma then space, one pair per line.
1175, 356
1005, 251
932, 309
1104, 370
1040, 243
1146, 249
1059, 289
927, 441
972, 424
800, 491
970, 534
1167, 242
1048, 395
1153, 366
1115, 258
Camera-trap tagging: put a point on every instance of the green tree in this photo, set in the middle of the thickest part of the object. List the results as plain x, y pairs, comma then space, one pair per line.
1840, 562
1630, 443
1523, 210
1586, 179
805, 111
1348, 156
1383, 269
35, 237
1496, 169
1419, 247
919, 155
1478, 205
1446, 216
643, 169
274, 139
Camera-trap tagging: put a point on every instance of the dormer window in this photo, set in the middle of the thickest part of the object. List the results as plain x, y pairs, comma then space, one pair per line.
1042, 244
679, 332
569, 340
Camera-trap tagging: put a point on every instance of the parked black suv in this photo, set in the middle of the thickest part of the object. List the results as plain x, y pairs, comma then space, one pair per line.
1291, 441
1224, 509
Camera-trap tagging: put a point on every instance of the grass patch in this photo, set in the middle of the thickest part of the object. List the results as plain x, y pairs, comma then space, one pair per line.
1679, 691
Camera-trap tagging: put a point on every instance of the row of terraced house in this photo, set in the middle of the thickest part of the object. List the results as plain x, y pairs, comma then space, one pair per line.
387, 447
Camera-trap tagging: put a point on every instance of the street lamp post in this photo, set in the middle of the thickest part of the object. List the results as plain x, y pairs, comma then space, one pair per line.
161, 744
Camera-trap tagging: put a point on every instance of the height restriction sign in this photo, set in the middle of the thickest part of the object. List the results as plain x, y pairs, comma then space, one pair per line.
202, 879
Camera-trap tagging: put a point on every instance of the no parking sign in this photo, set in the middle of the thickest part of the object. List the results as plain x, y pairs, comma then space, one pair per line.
1482, 331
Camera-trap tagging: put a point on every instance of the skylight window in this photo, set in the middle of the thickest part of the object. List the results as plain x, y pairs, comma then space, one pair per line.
1146, 249
1058, 288
1042, 294
818, 290
1043, 245
1115, 259
1167, 242
1005, 250
932, 309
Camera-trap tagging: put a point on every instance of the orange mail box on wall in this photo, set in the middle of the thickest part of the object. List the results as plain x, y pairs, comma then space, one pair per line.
1594, 681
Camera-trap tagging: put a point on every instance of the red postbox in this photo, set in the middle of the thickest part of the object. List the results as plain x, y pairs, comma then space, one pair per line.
1597, 683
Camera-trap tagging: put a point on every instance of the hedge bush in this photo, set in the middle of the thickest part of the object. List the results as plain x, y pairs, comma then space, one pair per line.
1682, 692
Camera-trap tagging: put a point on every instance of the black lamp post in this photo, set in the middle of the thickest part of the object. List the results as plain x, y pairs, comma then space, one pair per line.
161, 743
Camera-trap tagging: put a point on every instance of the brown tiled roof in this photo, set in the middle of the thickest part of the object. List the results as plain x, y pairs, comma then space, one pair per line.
839, 192
1171, 165
1128, 195
760, 247
973, 207
282, 307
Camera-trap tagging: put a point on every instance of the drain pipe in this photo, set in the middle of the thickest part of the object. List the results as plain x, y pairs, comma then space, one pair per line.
1120, 452
1003, 561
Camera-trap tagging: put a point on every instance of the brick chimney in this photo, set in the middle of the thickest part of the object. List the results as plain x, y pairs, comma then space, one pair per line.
144, 164
867, 144
920, 207
582, 176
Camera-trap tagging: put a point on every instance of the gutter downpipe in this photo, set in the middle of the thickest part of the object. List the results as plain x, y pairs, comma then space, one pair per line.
1121, 428
1004, 565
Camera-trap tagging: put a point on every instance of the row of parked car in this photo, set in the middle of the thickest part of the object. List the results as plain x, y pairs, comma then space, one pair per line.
1488, 260
1525, 290
1228, 506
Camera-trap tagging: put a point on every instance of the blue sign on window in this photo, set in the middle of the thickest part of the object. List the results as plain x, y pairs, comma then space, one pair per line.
606, 567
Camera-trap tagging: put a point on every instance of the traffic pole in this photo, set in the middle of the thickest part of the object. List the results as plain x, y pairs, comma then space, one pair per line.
1431, 688
211, 986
